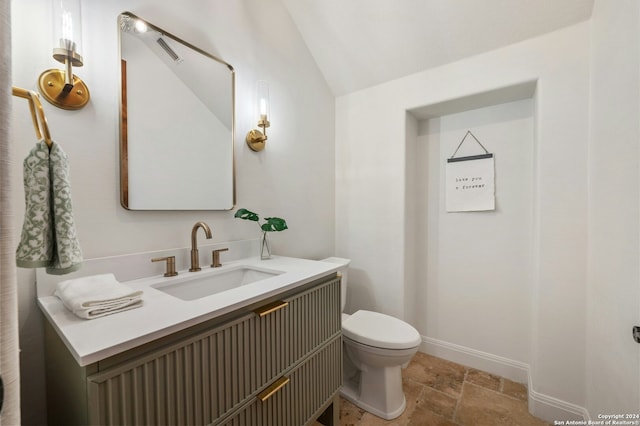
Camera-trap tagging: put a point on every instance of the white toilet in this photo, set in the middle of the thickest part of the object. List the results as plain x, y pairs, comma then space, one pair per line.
376, 347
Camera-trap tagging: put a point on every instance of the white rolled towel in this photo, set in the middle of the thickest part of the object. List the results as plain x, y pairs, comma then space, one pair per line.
97, 295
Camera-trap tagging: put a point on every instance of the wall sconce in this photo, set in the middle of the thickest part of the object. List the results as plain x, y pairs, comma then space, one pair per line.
255, 138
60, 87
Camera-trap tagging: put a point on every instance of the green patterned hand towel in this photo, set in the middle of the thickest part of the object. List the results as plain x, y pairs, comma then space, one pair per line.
48, 233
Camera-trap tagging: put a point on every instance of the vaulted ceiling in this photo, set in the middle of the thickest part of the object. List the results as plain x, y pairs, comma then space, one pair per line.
361, 43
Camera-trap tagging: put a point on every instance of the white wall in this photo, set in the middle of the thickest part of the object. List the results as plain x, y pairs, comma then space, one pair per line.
293, 178
613, 358
477, 262
371, 186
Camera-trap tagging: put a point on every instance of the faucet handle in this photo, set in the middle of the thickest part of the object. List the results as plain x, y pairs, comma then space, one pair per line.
171, 265
215, 258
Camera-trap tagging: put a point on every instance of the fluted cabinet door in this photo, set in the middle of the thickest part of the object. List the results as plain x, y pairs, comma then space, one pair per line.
309, 386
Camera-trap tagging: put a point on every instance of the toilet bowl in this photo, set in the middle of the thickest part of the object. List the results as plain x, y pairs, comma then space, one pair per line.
375, 348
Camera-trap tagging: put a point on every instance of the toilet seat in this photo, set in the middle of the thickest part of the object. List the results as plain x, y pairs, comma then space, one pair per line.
380, 330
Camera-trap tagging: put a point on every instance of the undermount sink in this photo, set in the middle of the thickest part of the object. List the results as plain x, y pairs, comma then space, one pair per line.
195, 285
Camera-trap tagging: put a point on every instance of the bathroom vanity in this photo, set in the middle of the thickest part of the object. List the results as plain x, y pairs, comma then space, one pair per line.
268, 353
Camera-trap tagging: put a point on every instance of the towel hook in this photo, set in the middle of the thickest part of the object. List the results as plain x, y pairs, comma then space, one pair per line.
37, 113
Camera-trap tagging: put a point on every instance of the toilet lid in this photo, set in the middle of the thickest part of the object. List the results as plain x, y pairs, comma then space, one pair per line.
380, 330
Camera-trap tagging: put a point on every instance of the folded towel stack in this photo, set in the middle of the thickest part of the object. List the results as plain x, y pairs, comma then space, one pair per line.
96, 296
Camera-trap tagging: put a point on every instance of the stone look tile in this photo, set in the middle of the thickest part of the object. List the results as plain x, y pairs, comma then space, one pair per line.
483, 379
442, 393
483, 407
438, 403
350, 415
515, 390
413, 393
369, 419
423, 417
442, 375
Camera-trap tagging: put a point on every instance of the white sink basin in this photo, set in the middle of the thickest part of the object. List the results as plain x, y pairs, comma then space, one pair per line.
195, 285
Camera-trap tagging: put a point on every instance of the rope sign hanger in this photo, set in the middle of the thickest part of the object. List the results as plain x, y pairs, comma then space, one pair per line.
472, 157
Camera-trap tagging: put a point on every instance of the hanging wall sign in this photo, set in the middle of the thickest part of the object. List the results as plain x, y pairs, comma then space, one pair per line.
470, 182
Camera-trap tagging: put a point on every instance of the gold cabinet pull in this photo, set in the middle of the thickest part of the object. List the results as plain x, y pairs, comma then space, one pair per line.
271, 307
275, 387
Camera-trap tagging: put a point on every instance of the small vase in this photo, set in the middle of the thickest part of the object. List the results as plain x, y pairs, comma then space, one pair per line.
265, 251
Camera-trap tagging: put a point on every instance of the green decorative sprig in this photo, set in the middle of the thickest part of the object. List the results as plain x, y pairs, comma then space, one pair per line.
271, 223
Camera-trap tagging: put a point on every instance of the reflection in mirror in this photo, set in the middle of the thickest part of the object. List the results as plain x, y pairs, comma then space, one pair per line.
177, 123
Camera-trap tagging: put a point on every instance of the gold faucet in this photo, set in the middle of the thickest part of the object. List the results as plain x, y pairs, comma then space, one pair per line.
195, 261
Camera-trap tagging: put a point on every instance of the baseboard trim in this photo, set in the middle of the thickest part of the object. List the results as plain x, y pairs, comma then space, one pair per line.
543, 406
549, 408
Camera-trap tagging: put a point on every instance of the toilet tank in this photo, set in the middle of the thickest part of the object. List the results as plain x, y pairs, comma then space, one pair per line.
344, 264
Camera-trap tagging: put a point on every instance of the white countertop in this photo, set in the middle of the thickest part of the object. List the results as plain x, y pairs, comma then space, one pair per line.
161, 314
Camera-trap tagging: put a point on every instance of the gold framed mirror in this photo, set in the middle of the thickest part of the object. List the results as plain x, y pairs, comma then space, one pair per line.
177, 122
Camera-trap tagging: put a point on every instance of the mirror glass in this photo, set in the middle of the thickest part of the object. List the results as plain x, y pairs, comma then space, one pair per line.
177, 122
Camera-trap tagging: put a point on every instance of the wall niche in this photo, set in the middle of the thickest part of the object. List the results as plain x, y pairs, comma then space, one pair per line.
470, 273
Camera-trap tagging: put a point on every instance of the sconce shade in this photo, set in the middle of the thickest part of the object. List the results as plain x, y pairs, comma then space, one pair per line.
67, 31
60, 87
256, 139
263, 100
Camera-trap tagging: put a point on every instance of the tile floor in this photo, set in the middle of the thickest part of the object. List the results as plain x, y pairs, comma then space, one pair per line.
442, 393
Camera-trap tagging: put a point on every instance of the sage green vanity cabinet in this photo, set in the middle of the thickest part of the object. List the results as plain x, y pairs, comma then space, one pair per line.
308, 384
277, 362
